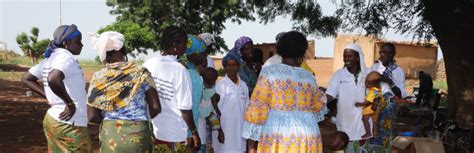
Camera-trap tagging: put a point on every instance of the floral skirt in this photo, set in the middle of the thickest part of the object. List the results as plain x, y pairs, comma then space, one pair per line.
160, 146
63, 137
125, 136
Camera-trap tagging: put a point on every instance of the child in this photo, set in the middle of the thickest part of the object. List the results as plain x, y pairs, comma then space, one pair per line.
209, 99
372, 83
339, 141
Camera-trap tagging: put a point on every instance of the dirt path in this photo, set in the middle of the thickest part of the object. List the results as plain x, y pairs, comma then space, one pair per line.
21, 120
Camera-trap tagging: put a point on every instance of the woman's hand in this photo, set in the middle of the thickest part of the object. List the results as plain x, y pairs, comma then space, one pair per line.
68, 112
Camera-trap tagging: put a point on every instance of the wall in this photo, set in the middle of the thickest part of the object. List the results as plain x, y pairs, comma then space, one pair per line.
413, 58
366, 43
410, 57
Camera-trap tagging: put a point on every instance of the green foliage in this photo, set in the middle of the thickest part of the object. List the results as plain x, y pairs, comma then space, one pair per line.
90, 65
193, 16
138, 39
30, 45
376, 17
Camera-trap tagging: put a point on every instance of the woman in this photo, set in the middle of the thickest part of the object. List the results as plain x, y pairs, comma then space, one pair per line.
348, 85
233, 98
122, 96
174, 88
210, 41
285, 109
393, 85
243, 50
195, 63
65, 123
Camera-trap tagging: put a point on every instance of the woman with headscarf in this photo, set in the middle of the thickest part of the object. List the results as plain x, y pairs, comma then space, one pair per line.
285, 109
233, 98
65, 123
210, 41
348, 86
122, 98
195, 63
173, 83
393, 86
243, 48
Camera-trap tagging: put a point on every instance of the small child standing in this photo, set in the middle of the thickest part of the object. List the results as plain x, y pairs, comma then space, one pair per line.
206, 107
372, 100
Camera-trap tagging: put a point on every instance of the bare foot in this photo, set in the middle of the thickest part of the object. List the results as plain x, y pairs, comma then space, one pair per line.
366, 135
376, 132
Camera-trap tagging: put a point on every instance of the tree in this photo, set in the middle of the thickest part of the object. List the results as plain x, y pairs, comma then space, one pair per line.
450, 22
30, 45
138, 39
194, 16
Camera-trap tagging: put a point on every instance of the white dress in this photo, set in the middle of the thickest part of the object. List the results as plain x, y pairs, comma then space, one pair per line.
234, 98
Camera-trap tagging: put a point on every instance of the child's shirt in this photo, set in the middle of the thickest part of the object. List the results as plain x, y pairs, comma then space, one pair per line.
372, 93
205, 107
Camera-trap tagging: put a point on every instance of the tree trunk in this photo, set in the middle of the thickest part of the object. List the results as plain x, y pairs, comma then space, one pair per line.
453, 25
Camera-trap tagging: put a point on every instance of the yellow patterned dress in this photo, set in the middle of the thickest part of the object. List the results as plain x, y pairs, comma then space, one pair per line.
284, 111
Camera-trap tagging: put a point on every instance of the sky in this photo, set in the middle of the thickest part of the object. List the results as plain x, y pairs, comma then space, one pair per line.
18, 16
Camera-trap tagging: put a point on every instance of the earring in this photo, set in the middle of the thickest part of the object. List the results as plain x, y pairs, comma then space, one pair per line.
300, 60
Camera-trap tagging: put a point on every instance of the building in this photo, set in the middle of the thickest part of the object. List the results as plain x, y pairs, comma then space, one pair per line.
411, 57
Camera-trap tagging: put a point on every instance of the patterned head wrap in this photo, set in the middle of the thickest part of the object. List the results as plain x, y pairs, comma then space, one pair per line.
194, 45
61, 34
239, 44
208, 38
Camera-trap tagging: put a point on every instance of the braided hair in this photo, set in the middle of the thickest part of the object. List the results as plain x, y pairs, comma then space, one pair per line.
171, 35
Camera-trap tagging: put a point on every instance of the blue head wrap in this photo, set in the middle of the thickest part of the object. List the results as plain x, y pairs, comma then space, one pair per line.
230, 56
194, 45
61, 34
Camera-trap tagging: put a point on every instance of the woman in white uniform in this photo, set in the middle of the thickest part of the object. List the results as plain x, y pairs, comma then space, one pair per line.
234, 97
348, 86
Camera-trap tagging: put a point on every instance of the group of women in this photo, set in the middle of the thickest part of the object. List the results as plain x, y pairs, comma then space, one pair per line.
155, 106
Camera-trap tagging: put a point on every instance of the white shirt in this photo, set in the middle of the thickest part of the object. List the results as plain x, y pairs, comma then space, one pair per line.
343, 87
210, 62
398, 78
275, 59
174, 91
234, 98
74, 82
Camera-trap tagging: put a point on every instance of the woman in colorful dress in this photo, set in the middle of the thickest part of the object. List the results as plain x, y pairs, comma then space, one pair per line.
243, 48
286, 106
65, 123
233, 98
122, 97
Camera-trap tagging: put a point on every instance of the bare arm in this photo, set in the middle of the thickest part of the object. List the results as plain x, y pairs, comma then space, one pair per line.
252, 146
32, 82
214, 100
188, 118
55, 82
153, 102
94, 115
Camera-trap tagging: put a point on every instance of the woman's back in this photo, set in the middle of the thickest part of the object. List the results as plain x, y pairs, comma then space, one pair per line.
289, 89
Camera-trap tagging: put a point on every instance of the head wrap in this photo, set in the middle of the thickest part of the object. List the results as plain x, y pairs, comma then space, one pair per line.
207, 38
230, 56
194, 45
61, 34
107, 41
355, 47
239, 44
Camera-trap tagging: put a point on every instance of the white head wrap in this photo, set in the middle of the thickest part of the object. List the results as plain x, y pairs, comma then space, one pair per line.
355, 47
208, 38
107, 41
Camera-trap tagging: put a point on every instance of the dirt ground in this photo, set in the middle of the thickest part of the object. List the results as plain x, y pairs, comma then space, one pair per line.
21, 120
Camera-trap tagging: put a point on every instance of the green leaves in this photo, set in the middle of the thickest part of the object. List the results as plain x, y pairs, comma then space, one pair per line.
30, 45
